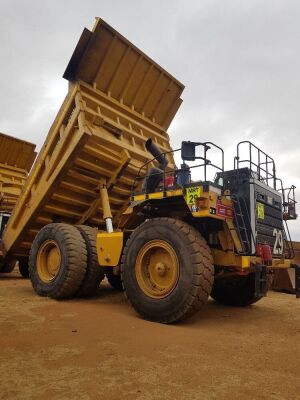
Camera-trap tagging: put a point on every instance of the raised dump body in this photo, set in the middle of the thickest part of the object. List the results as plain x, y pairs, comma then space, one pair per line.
118, 98
16, 159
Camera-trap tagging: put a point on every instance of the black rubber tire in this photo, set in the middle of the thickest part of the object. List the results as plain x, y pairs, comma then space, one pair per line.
115, 281
236, 291
24, 268
195, 277
73, 266
94, 273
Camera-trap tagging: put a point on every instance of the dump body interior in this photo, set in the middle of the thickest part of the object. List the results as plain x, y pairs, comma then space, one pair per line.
16, 159
118, 98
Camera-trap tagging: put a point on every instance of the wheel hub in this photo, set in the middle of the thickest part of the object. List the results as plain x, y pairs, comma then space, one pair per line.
157, 269
48, 261
160, 269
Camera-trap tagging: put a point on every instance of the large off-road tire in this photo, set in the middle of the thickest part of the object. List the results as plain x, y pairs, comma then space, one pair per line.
235, 291
167, 270
115, 281
94, 273
57, 261
24, 268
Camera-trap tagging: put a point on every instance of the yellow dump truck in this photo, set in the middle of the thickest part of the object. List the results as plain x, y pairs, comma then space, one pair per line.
105, 196
284, 280
16, 159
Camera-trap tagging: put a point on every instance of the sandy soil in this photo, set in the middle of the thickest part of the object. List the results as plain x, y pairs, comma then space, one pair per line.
100, 349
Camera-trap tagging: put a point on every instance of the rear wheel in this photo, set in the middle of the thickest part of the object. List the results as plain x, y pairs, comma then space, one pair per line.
8, 266
94, 273
235, 291
57, 261
167, 270
24, 268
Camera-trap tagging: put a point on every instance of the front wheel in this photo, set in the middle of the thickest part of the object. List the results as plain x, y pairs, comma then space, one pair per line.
167, 270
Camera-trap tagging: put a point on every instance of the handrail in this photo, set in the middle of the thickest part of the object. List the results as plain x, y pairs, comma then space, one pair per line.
269, 175
164, 172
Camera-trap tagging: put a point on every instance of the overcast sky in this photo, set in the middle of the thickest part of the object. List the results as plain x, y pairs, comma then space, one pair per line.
239, 61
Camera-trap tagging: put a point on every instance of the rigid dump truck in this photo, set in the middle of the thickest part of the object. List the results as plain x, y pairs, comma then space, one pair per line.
105, 196
16, 159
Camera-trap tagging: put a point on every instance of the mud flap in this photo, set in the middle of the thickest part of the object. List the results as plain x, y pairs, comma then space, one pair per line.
261, 281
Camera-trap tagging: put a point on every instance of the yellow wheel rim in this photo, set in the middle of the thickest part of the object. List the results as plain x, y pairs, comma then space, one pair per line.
157, 269
48, 261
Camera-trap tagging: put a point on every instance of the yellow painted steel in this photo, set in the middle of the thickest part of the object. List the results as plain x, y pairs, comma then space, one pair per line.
105, 200
157, 269
231, 231
282, 263
118, 98
158, 195
106, 60
284, 279
16, 159
230, 259
109, 248
176, 192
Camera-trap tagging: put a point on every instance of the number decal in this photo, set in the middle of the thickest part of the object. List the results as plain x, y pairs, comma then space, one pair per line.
278, 246
192, 193
192, 198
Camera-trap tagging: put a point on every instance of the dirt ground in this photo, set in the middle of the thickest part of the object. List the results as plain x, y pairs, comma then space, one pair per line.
100, 349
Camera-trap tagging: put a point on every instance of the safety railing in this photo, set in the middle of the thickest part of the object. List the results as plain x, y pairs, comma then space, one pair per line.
259, 162
176, 177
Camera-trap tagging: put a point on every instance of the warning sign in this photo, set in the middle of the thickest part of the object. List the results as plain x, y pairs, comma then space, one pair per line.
260, 210
192, 193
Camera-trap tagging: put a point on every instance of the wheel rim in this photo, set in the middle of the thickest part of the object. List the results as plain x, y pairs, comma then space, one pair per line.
157, 269
48, 261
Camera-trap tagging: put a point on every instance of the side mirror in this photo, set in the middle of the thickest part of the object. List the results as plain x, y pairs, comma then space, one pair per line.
188, 152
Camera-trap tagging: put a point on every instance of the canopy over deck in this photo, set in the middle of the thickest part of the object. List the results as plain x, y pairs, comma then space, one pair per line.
106, 60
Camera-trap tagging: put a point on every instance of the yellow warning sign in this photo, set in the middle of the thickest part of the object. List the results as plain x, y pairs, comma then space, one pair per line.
260, 210
192, 193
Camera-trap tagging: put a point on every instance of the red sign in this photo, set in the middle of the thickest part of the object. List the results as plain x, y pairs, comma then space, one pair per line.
224, 211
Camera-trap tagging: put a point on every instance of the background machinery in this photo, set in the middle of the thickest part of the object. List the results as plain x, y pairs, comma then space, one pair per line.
16, 159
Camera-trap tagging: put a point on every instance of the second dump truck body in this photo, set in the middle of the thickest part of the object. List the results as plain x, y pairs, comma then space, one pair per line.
16, 159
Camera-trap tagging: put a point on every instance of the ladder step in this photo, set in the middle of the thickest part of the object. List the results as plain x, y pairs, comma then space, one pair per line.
239, 225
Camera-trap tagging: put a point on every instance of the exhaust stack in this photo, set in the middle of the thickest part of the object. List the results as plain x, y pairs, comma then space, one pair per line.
154, 150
